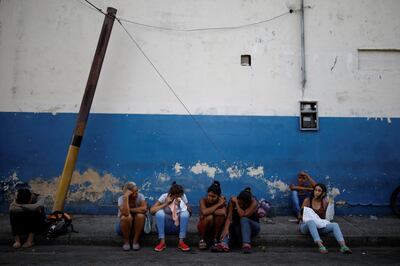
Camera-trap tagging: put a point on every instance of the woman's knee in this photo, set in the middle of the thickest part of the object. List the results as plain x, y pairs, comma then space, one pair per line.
160, 214
208, 219
335, 226
140, 216
219, 218
126, 219
185, 215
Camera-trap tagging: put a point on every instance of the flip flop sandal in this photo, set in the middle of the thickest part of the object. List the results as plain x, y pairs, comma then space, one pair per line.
323, 250
219, 248
246, 248
28, 245
202, 244
345, 250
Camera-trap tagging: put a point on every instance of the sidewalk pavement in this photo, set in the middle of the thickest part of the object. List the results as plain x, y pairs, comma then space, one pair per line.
277, 231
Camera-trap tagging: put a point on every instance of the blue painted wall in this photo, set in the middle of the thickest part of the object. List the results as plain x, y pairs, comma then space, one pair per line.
359, 156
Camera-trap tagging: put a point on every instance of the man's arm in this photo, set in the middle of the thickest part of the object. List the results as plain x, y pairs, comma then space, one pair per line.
298, 188
310, 179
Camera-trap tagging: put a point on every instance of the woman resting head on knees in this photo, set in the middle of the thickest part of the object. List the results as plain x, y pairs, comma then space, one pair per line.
132, 208
318, 202
242, 222
212, 214
27, 216
172, 216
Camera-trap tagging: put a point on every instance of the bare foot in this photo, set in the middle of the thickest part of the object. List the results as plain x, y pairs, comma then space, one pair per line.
28, 244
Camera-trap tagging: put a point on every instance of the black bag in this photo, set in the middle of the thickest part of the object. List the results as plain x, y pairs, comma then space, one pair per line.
58, 223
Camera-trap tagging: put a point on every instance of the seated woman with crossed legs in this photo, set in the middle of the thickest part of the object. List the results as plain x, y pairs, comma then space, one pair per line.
212, 215
132, 207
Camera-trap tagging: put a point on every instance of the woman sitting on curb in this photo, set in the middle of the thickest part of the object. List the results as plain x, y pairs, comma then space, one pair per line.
318, 202
132, 207
27, 216
172, 216
212, 214
242, 222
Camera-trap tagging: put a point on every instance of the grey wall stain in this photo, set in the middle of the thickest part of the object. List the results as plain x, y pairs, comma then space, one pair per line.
342, 96
14, 90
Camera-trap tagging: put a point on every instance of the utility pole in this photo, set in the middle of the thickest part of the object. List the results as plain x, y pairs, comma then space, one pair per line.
70, 161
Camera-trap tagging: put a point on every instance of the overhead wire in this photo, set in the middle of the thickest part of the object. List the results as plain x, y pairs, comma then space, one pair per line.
171, 89
193, 29
120, 20
206, 29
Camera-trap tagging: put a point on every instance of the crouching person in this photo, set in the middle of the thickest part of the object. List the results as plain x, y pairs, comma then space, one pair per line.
27, 216
172, 216
132, 208
242, 222
212, 215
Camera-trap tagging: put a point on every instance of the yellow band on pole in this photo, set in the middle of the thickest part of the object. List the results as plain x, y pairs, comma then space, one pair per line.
65, 179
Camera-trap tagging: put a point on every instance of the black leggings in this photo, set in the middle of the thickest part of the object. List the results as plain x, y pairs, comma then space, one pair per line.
23, 223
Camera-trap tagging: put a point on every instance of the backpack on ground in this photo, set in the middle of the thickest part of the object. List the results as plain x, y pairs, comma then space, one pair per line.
263, 208
58, 223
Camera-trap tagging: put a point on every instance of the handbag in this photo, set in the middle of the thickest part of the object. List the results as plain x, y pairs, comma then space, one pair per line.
147, 223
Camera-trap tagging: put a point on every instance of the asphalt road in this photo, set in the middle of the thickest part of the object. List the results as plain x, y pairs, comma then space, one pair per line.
100, 255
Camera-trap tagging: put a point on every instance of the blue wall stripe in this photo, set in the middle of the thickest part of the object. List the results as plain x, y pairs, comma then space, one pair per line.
361, 156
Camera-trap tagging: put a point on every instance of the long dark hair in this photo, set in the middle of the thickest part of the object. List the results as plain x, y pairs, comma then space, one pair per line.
215, 188
23, 196
246, 196
323, 187
175, 189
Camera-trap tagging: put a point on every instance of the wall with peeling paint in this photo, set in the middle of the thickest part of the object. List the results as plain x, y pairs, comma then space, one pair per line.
139, 131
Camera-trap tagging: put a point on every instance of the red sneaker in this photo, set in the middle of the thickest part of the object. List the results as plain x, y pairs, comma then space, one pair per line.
182, 246
160, 247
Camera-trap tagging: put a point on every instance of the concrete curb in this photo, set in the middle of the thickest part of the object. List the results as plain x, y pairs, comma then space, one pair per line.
99, 231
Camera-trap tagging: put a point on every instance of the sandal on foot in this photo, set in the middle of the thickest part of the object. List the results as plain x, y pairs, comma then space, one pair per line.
220, 247
345, 250
16, 245
246, 248
28, 244
323, 250
135, 246
202, 244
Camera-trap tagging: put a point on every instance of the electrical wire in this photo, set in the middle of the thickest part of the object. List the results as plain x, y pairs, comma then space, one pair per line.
172, 90
194, 29
120, 20
205, 29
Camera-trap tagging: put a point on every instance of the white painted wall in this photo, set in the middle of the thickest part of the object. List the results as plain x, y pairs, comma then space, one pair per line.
46, 49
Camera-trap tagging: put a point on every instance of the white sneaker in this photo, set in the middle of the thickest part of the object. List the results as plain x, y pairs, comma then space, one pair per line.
135, 247
126, 247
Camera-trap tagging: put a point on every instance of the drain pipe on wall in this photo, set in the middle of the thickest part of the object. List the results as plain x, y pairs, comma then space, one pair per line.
303, 56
